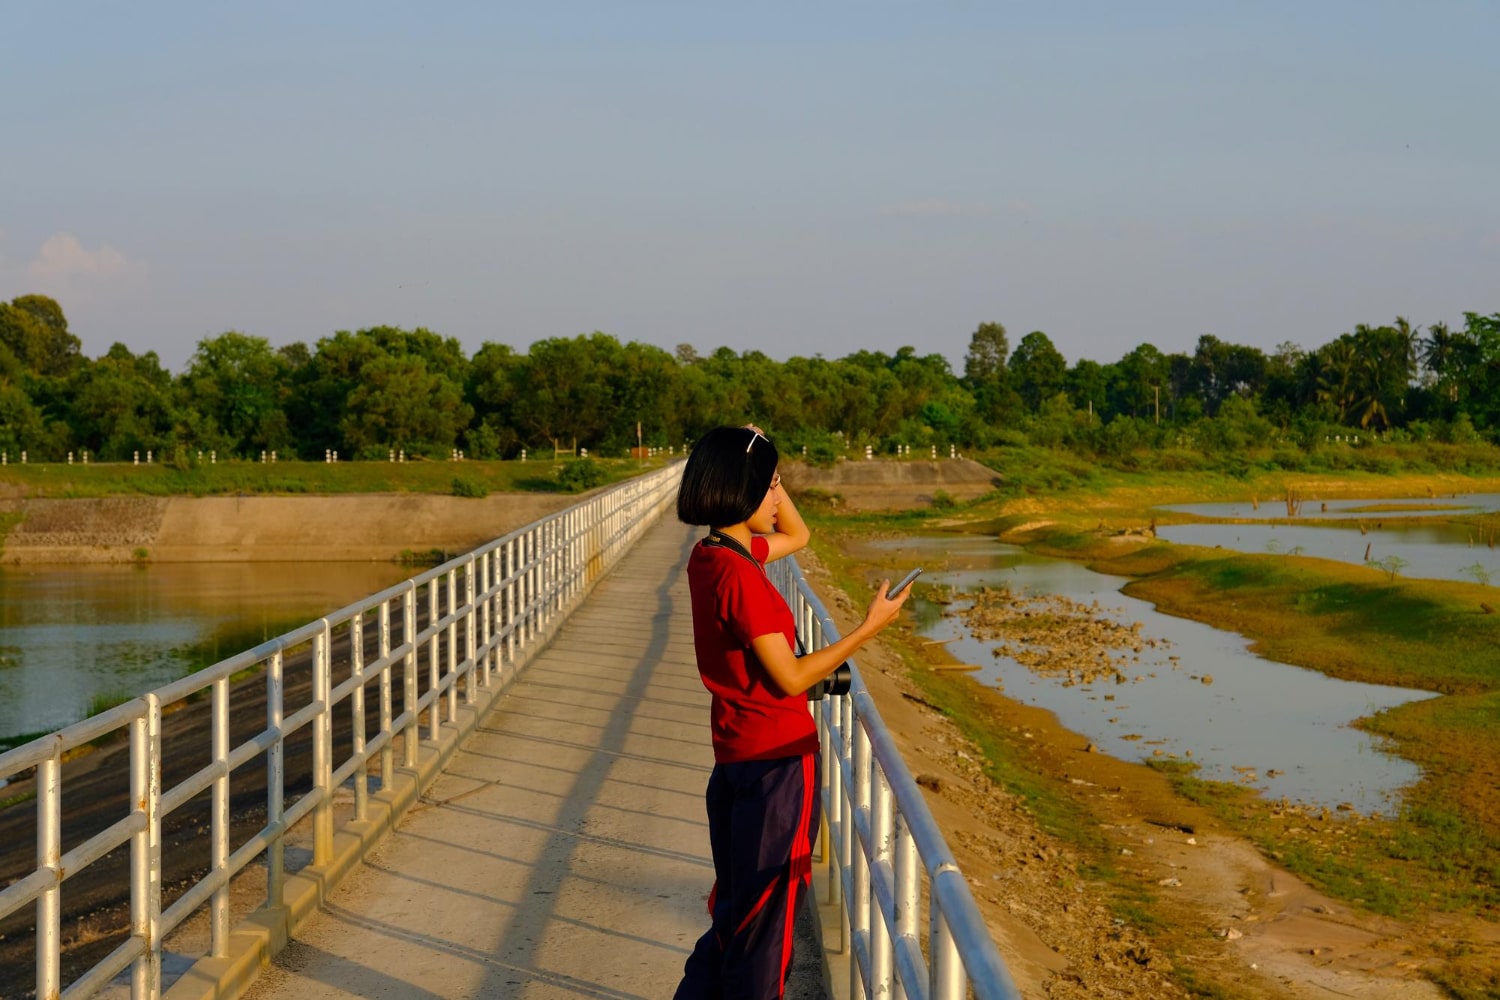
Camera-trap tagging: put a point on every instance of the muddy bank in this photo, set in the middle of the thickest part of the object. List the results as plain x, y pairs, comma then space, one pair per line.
262, 528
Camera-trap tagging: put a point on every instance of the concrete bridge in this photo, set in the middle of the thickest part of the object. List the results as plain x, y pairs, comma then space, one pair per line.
470, 828
563, 852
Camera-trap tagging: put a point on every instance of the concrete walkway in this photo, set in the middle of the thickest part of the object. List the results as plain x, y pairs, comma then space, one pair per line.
564, 852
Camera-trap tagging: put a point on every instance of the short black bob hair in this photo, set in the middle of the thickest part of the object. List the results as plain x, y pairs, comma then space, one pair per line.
728, 473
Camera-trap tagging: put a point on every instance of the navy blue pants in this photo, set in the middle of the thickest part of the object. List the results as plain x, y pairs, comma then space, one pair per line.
762, 818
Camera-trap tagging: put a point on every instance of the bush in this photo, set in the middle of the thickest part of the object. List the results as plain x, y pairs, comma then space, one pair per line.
582, 474
469, 488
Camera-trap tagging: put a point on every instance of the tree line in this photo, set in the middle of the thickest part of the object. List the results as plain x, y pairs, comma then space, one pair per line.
368, 392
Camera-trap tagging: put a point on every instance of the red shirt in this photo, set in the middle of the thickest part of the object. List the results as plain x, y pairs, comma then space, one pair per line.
733, 603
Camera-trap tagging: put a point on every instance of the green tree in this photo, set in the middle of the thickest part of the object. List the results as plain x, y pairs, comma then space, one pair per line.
22, 425
350, 395
1138, 383
35, 331
1038, 370
564, 395
986, 374
1219, 370
237, 386
120, 404
401, 405
493, 385
1087, 385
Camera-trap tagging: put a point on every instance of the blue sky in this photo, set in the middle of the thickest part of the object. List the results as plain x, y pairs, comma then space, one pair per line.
793, 178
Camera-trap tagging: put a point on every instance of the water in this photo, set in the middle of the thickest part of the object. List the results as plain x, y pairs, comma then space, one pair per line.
1347, 510
71, 635
1255, 718
1357, 531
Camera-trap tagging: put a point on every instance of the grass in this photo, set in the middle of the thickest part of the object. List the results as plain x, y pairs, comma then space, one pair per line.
101, 479
103, 701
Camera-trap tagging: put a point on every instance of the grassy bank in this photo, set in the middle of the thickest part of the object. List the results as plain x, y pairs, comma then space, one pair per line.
468, 478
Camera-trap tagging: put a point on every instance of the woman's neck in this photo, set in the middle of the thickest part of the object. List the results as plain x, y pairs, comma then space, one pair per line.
739, 532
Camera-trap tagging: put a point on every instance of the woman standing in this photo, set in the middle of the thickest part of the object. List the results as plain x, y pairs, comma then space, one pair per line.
763, 807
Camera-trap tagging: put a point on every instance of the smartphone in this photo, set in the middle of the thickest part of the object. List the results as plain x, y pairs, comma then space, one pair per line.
905, 580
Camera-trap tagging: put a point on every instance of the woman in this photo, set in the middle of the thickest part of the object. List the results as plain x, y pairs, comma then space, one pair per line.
763, 807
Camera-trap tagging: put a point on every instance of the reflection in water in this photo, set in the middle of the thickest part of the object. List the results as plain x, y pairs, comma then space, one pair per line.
75, 636
1277, 728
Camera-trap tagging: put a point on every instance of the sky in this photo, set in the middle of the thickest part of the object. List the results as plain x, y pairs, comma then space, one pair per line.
793, 178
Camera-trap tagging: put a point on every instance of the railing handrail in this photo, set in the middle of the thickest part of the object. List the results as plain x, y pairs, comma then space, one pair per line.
486, 613
877, 821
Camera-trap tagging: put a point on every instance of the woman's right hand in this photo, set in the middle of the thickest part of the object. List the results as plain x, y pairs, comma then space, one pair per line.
883, 610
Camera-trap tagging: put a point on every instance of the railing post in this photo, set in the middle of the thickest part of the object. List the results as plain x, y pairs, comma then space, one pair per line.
357, 709
145, 973
859, 906
434, 665
387, 750
843, 745
450, 611
881, 855
511, 622
528, 593
479, 601
948, 980
275, 780
908, 890
49, 857
322, 740
219, 823
409, 675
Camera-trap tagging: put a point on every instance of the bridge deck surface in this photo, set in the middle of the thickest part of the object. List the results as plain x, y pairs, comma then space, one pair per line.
564, 852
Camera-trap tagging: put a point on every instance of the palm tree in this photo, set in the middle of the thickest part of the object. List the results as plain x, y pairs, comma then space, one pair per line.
1338, 374
1440, 355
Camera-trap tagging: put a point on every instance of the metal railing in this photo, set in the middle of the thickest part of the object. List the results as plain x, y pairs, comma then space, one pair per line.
348, 694
884, 841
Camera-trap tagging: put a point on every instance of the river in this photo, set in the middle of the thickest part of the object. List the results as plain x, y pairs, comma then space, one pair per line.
1280, 729
74, 638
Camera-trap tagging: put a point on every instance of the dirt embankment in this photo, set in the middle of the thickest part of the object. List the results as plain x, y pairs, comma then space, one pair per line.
263, 528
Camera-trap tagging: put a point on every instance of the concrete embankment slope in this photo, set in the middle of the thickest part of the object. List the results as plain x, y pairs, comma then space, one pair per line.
382, 526
263, 528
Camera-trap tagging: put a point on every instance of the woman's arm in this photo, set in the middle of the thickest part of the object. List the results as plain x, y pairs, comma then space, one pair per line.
791, 531
794, 674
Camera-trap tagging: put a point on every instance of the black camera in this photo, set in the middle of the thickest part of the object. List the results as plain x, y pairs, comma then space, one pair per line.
836, 683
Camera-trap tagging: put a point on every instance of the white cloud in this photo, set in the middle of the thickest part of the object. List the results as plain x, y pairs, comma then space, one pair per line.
62, 259
79, 277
